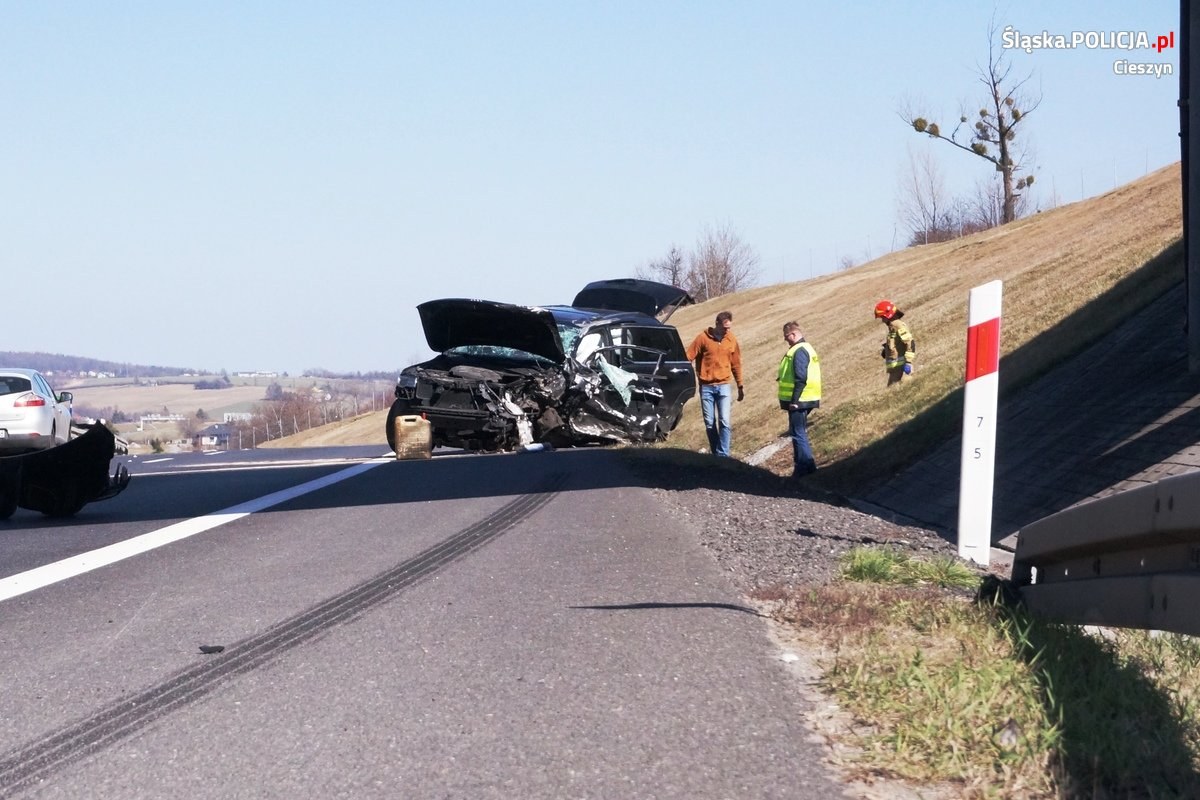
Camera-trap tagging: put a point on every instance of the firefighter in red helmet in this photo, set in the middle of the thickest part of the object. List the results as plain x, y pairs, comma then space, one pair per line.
899, 349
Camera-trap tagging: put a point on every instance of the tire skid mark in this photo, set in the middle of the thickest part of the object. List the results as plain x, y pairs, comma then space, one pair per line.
23, 767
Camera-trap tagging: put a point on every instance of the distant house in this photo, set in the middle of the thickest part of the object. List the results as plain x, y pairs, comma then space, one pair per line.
213, 436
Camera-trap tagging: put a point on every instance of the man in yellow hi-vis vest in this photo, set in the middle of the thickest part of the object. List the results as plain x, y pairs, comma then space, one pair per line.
799, 393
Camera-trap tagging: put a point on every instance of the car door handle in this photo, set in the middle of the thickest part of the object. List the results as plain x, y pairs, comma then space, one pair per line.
677, 370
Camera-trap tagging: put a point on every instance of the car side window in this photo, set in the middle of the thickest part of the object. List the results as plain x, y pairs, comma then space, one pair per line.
621, 339
664, 339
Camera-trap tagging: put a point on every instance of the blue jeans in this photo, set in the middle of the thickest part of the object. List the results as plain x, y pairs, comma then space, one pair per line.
802, 455
716, 403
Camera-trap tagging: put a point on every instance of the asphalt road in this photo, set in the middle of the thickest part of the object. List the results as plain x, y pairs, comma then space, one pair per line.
516, 626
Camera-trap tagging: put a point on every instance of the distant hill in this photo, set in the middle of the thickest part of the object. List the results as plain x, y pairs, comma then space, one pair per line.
58, 364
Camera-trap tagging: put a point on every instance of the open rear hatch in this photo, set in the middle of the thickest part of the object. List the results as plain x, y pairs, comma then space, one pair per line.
658, 300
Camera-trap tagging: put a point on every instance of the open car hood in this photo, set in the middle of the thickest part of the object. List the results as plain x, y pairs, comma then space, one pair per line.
458, 323
653, 299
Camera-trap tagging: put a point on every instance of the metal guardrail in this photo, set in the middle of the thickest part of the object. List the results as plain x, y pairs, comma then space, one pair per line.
1131, 560
80, 427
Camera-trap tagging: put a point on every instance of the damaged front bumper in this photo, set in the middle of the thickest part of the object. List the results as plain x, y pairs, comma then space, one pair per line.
481, 409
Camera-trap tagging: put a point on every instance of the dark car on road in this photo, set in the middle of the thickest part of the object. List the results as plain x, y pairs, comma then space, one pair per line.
605, 369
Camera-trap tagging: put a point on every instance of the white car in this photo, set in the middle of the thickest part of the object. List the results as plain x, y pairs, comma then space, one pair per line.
32, 415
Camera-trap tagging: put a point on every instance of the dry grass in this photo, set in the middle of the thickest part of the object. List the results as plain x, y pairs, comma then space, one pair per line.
363, 429
1054, 265
178, 398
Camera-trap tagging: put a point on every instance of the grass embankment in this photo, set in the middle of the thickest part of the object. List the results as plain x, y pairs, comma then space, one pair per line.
362, 429
983, 702
1070, 275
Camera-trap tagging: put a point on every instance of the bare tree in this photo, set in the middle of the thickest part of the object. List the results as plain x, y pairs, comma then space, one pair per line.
984, 208
189, 428
995, 127
721, 263
669, 269
923, 204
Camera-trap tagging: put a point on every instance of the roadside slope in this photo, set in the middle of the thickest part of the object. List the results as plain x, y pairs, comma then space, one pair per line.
1123, 413
1053, 264
363, 429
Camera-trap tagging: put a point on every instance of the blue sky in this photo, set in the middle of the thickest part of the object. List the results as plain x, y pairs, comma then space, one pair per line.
260, 185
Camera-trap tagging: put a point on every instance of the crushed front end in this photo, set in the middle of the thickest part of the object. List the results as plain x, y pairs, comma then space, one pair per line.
477, 408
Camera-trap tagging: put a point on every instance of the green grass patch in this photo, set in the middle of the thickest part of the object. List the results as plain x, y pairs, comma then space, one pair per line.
887, 565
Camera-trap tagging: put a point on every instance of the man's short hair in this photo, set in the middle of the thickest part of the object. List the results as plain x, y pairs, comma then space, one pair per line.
724, 315
788, 327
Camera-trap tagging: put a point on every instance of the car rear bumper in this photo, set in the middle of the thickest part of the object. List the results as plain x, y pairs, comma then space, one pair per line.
12, 440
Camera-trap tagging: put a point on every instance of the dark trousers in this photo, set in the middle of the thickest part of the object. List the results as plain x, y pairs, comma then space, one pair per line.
802, 454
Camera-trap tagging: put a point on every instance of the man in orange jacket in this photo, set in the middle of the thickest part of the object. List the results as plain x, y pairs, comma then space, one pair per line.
718, 359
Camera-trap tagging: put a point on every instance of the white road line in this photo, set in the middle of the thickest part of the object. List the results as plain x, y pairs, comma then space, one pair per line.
241, 466
156, 460
86, 562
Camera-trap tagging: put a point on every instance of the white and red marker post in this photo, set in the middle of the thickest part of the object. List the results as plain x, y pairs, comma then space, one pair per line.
979, 423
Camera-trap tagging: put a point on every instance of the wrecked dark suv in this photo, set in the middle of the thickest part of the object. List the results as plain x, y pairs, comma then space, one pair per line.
605, 369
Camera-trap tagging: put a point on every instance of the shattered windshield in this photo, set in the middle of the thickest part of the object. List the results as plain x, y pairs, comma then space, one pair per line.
569, 333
